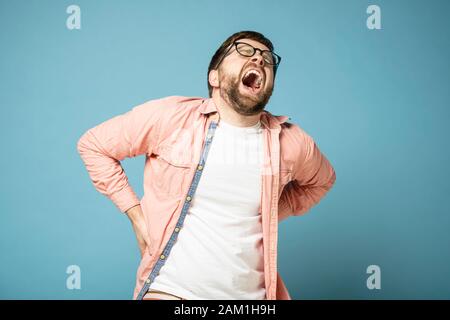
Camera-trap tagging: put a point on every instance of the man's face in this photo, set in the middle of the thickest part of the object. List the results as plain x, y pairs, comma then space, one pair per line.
246, 83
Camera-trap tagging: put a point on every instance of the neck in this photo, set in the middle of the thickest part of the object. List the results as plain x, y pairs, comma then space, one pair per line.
229, 115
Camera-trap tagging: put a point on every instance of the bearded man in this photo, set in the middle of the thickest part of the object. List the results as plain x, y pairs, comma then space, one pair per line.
220, 174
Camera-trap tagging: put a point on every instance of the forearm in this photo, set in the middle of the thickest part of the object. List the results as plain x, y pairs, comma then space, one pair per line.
313, 176
297, 199
138, 222
105, 170
134, 213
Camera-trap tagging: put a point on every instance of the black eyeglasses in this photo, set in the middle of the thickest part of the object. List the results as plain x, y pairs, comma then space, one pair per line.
247, 50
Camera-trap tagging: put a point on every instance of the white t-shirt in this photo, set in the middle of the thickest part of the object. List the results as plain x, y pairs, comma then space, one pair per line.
219, 250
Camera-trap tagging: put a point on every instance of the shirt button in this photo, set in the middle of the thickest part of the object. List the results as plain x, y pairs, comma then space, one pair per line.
148, 280
177, 229
162, 257
200, 167
188, 198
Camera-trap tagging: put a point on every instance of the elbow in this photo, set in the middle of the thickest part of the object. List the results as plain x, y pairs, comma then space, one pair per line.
331, 181
83, 143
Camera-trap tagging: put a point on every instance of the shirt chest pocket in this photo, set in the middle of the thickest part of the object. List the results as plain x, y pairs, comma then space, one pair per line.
170, 170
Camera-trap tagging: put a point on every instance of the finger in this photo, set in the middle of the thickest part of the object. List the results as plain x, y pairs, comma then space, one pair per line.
147, 240
142, 248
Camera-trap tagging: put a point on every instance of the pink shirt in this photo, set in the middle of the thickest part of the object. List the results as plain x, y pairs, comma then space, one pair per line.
170, 132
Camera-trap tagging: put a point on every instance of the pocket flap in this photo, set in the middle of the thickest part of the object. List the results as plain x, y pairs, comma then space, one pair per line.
178, 157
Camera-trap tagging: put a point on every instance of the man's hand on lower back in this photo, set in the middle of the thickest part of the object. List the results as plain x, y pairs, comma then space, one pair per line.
137, 219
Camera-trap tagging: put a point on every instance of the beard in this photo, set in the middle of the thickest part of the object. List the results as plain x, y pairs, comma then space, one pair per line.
241, 103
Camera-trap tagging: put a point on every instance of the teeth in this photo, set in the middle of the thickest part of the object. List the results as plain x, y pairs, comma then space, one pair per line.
252, 71
258, 80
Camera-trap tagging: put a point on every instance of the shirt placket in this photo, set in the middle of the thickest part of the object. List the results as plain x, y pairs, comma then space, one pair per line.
275, 161
184, 211
269, 205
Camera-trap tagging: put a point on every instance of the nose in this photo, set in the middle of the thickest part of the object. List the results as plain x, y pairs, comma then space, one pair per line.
258, 58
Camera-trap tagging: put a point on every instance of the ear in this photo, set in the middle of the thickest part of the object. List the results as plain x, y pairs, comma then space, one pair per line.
213, 78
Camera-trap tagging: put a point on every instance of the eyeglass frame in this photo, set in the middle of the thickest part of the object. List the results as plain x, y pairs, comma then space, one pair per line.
235, 44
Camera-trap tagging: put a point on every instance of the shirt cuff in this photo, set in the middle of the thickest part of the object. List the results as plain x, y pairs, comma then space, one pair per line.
125, 199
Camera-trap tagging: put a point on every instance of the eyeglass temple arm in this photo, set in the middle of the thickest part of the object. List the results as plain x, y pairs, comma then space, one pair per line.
224, 55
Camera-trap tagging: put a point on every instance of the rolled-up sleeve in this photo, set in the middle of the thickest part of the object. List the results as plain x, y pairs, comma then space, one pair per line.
313, 177
103, 147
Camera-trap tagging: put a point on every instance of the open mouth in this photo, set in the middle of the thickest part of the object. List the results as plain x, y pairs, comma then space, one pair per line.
253, 80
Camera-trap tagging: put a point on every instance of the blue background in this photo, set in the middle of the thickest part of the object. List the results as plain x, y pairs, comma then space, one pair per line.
375, 101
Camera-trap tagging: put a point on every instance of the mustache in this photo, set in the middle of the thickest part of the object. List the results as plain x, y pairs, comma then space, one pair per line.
252, 65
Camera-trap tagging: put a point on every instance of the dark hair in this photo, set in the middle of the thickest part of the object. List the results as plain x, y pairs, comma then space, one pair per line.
252, 35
